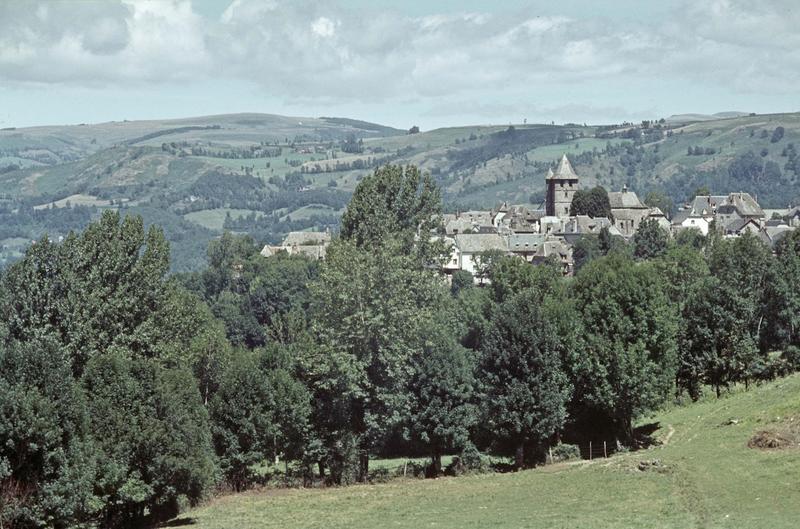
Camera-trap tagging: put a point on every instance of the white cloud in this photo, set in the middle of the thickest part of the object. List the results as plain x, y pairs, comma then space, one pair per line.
323, 26
310, 50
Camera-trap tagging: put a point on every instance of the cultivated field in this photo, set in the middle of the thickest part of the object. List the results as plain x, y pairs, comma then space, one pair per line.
703, 475
213, 219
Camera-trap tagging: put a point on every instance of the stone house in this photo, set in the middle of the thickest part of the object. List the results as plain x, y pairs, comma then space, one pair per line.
470, 246
628, 211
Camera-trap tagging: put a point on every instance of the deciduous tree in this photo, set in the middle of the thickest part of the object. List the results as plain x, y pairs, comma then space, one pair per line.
525, 388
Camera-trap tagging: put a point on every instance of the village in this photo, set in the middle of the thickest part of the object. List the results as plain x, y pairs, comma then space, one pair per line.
548, 232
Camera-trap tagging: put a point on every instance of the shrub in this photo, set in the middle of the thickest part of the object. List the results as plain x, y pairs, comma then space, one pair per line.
411, 469
565, 452
381, 475
792, 356
470, 461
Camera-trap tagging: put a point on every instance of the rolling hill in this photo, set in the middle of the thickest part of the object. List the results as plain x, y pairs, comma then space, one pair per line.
266, 175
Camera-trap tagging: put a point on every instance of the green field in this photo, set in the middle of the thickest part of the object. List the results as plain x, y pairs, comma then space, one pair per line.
707, 477
76, 200
312, 209
552, 153
278, 165
213, 219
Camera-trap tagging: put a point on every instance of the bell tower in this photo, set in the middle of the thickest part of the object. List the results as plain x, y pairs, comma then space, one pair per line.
561, 187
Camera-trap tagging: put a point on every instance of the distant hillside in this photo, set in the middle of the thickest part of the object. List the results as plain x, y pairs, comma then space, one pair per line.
266, 175
683, 118
61, 143
757, 154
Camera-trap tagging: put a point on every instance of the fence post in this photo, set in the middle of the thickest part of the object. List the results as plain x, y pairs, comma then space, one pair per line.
590, 450
605, 452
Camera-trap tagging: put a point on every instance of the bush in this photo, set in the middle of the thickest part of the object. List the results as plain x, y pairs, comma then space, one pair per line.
411, 469
461, 279
381, 475
565, 452
470, 461
792, 357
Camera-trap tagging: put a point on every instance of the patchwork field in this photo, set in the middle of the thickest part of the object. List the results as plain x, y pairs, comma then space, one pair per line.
703, 474
76, 200
213, 219
301, 163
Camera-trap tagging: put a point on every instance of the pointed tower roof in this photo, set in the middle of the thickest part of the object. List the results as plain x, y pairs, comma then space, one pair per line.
549, 173
564, 169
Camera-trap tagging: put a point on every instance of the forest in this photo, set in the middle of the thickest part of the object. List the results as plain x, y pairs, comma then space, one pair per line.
128, 393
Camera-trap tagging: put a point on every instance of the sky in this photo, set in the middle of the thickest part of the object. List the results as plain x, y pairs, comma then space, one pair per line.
400, 63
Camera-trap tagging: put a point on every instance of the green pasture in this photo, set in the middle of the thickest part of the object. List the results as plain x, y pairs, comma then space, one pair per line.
702, 475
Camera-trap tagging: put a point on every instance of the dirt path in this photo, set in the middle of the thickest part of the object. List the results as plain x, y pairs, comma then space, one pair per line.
669, 435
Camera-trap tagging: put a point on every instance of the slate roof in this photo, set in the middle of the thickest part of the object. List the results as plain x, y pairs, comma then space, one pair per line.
315, 251
745, 204
477, 216
706, 205
525, 242
564, 171
737, 225
480, 242
628, 213
625, 200
613, 230
681, 215
300, 238
536, 214
553, 247
586, 224
776, 233
458, 226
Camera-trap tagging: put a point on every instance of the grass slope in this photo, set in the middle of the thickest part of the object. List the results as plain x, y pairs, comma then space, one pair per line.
709, 478
214, 219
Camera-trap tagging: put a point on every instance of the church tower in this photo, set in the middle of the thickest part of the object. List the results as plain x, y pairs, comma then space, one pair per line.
561, 187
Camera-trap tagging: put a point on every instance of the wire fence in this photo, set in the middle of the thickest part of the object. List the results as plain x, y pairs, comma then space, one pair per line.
596, 450
591, 450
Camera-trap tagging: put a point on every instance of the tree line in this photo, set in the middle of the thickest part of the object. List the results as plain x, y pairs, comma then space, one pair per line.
127, 393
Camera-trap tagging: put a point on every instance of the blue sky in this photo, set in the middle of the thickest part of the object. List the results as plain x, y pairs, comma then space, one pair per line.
399, 63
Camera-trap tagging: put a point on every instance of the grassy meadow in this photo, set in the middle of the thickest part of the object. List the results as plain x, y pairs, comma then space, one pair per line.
705, 476
214, 219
